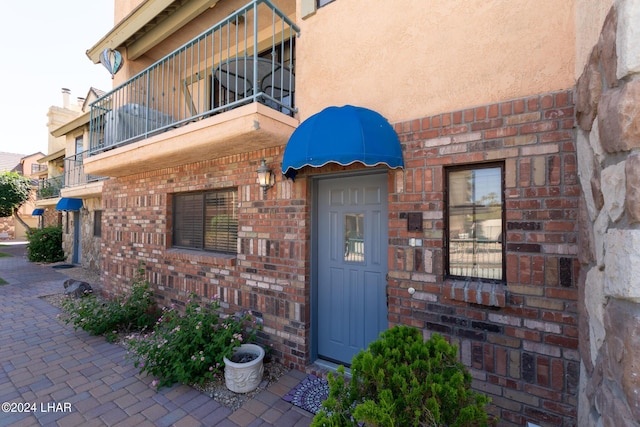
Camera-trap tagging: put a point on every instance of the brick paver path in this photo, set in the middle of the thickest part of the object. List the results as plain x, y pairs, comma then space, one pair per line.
69, 378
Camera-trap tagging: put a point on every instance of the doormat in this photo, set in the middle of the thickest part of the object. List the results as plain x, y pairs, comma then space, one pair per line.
309, 394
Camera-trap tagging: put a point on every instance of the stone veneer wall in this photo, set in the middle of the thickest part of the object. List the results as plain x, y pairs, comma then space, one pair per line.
90, 244
608, 145
519, 338
7, 228
51, 217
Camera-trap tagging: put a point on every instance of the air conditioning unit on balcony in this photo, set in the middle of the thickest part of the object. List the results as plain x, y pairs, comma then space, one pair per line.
132, 121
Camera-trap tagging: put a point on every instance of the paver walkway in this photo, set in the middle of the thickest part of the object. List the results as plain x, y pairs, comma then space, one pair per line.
70, 378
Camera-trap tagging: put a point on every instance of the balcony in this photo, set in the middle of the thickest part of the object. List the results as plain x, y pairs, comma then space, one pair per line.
37, 168
229, 90
76, 182
50, 188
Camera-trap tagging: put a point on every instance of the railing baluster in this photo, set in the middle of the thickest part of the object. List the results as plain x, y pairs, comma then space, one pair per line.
180, 87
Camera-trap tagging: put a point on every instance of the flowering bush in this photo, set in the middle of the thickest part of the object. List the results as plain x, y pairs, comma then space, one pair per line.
134, 312
45, 245
189, 348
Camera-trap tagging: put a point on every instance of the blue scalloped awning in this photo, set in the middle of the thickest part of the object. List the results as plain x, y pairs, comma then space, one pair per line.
37, 211
342, 135
69, 204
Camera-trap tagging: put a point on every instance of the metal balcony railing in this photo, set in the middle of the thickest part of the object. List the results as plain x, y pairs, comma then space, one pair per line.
50, 188
247, 57
476, 258
74, 171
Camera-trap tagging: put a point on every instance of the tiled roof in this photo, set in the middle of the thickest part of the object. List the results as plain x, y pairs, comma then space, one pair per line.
10, 162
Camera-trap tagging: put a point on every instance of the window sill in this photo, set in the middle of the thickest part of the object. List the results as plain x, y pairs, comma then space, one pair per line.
474, 291
201, 257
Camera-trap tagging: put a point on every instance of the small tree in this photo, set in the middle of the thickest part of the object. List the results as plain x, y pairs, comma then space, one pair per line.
15, 190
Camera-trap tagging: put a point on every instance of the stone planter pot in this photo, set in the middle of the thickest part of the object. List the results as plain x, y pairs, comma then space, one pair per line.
243, 377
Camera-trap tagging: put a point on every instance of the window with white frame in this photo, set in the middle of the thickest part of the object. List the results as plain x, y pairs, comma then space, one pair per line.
206, 220
475, 221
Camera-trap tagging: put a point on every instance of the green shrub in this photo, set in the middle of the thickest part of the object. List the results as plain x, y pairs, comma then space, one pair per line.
401, 380
97, 316
189, 347
45, 245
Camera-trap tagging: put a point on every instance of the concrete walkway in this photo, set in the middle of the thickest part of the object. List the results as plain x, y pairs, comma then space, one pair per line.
53, 375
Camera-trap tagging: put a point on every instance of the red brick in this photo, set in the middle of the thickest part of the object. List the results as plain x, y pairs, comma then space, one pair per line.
538, 127
557, 374
555, 137
559, 408
543, 374
560, 226
545, 393
469, 115
562, 99
523, 334
489, 358
493, 111
564, 342
546, 102
488, 124
525, 268
518, 106
559, 113
481, 113
500, 132
533, 104
454, 130
501, 361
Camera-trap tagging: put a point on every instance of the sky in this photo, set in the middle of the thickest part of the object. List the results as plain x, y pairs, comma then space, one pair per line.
43, 50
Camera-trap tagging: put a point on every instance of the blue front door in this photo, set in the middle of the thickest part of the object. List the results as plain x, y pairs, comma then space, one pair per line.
352, 264
77, 238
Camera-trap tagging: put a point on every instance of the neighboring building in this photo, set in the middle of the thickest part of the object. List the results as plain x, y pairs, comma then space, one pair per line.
81, 195
448, 199
51, 183
28, 166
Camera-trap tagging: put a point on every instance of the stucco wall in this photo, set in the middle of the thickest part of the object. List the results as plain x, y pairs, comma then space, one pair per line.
413, 58
589, 17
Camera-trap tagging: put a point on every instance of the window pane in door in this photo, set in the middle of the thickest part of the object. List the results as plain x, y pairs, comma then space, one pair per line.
354, 237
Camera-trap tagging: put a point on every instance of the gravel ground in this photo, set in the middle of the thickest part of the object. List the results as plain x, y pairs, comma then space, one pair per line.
215, 389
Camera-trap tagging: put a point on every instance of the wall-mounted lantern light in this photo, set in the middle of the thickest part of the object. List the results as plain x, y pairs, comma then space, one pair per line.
266, 178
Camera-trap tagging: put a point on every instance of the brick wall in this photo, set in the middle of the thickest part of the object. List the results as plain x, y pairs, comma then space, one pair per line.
269, 274
521, 341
